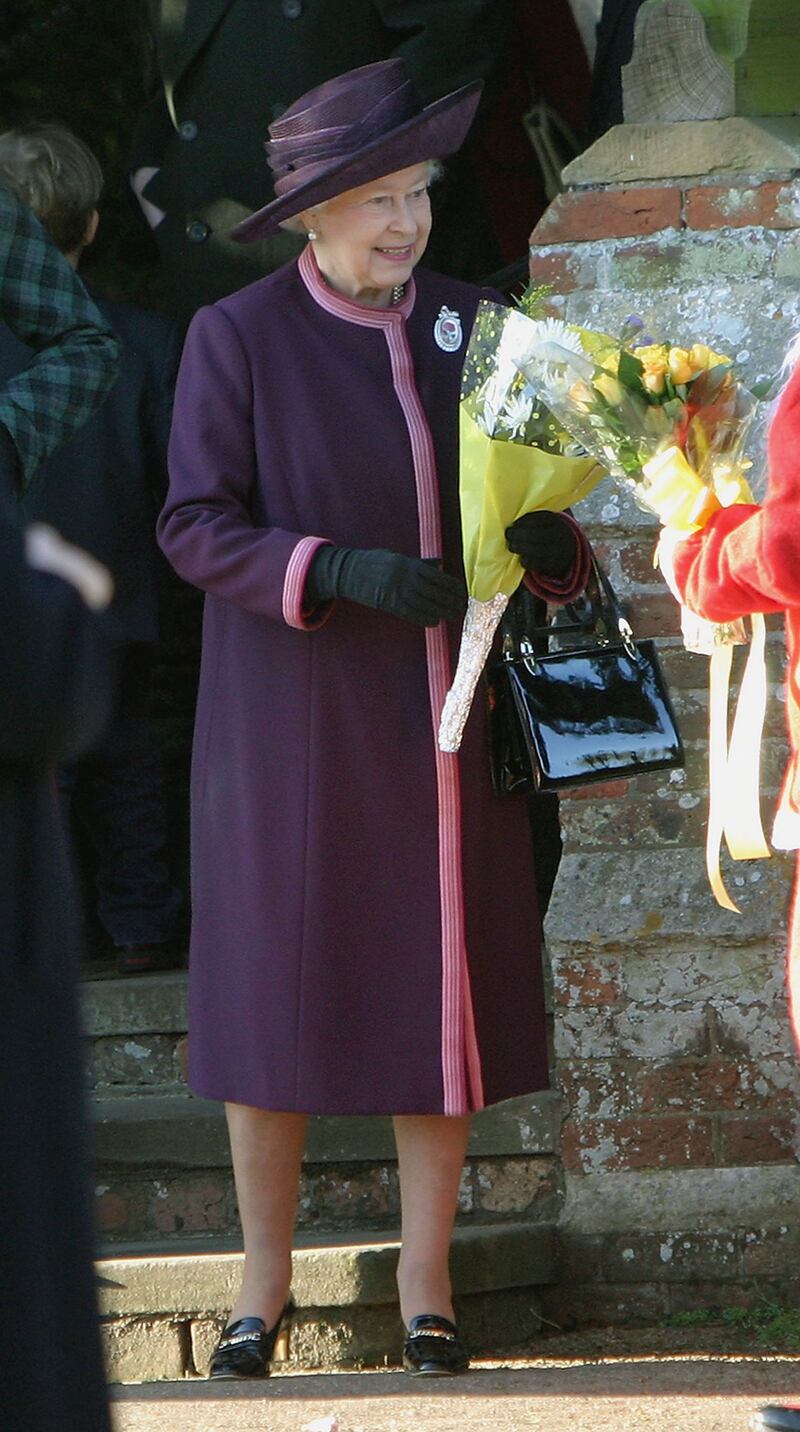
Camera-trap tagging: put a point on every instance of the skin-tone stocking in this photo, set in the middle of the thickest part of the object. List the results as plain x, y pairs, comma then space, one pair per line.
267, 1153
431, 1149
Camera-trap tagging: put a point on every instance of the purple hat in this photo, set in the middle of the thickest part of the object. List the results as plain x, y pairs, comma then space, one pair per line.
350, 131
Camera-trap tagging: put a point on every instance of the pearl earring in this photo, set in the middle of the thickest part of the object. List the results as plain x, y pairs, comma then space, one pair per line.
312, 234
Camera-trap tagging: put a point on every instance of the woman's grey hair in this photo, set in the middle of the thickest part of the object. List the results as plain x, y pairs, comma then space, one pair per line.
295, 225
56, 175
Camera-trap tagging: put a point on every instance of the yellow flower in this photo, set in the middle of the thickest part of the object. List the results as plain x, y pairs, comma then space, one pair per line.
651, 354
611, 388
581, 393
654, 380
700, 356
609, 361
680, 368
653, 357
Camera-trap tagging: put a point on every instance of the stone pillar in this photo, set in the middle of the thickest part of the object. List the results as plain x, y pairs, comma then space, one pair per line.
680, 1086
759, 41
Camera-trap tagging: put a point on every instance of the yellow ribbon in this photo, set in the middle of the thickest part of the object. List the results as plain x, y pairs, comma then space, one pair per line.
675, 492
734, 768
684, 502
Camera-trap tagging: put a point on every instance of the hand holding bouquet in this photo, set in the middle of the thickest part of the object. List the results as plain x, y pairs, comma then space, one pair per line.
511, 462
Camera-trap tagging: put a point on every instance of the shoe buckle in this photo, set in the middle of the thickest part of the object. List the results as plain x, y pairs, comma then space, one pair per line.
236, 1339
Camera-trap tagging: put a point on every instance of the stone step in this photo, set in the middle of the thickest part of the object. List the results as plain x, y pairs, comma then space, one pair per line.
136, 1032
163, 1310
162, 1165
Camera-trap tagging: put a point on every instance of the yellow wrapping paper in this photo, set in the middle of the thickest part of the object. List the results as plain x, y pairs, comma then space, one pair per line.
499, 482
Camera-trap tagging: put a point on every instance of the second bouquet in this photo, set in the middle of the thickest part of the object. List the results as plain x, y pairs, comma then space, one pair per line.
671, 424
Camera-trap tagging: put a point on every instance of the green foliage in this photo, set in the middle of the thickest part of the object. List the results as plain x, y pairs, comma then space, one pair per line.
630, 371
82, 63
533, 298
772, 1324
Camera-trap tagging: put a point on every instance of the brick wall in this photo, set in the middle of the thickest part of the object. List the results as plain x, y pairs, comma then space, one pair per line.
652, 235
679, 1083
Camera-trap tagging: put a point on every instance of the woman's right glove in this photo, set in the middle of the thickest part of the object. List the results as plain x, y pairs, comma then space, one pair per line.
544, 542
413, 588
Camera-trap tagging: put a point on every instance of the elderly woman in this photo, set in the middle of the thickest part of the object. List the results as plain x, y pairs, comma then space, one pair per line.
365, 934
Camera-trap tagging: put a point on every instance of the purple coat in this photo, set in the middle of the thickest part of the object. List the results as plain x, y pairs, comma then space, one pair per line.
365, 936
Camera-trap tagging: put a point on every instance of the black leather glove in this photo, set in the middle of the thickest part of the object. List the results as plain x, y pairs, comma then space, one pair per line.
413, 588
543, 542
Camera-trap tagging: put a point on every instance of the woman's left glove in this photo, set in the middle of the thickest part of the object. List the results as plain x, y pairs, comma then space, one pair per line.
412, 588
544, 543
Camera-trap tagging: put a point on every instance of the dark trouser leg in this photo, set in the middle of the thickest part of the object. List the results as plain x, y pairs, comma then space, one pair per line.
119, 798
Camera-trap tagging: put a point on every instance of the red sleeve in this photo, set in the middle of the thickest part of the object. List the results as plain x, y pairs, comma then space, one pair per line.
747, 559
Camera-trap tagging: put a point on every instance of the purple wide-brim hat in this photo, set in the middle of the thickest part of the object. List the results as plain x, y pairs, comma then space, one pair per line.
350, 131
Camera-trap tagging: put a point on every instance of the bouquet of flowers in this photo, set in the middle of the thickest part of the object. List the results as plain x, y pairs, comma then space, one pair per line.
671, 424
511, 461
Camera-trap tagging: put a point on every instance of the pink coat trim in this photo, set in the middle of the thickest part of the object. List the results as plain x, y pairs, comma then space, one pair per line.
461, 1071
295, 613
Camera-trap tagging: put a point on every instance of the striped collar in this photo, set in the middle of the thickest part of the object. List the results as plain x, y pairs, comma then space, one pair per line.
347, 308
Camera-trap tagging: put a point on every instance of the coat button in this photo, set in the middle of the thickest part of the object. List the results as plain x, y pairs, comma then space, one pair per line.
197, 232
292, 8
187, 129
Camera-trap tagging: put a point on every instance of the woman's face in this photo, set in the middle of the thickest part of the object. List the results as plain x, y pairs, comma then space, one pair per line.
369, 239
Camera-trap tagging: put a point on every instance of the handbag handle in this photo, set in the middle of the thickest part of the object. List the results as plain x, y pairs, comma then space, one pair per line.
605, 620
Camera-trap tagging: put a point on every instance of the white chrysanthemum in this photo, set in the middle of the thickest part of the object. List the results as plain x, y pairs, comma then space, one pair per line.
554, 357
518, 411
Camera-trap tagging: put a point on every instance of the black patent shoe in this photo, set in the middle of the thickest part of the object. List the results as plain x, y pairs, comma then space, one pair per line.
247, 1347
432, 1348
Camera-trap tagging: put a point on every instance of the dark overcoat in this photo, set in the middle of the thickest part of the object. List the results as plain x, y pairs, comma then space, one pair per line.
614, 49
225, 69
103, 488
365, 935
54, 700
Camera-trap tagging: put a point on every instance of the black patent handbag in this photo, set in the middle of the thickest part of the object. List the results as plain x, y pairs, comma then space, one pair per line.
596, 708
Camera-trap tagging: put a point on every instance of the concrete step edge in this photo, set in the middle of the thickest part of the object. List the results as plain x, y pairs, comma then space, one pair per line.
139, 1004
361, 1272
175, 1130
